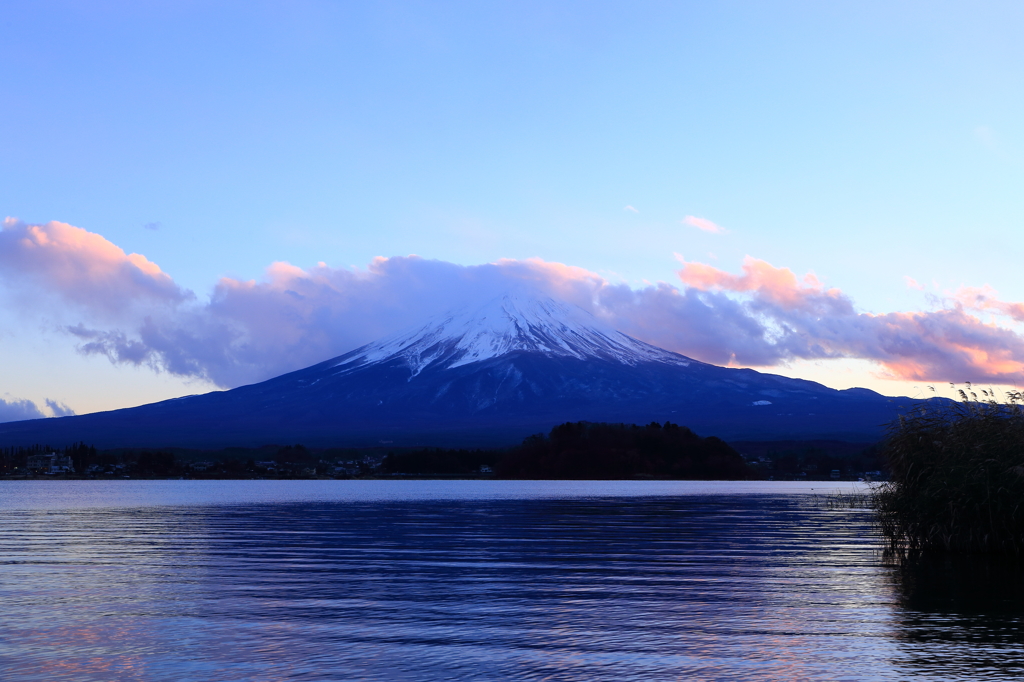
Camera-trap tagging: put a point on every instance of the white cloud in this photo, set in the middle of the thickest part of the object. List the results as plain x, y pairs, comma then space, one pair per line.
703, 224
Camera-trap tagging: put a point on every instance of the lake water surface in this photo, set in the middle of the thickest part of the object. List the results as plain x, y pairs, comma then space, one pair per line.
481, 580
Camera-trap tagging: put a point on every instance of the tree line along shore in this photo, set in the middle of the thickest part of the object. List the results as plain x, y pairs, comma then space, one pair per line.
575, 450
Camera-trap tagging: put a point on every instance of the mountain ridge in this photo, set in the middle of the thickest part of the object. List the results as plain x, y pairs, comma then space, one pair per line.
487, 374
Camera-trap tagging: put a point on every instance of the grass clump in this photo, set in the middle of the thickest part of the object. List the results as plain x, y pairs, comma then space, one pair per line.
956, 478
848, 500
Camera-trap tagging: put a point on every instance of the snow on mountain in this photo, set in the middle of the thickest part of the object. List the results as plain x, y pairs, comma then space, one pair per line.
509, 323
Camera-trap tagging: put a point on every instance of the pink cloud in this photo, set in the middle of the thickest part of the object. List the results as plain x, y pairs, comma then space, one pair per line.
778, 285
986, 299
703, 224
809, 322
81, 267
292, 317
913, 283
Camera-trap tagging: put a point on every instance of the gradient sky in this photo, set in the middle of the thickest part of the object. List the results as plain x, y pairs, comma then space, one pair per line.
825, 190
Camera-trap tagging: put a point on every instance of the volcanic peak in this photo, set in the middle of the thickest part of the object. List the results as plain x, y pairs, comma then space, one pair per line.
515, 321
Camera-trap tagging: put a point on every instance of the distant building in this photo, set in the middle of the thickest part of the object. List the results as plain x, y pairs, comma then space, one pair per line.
51, 463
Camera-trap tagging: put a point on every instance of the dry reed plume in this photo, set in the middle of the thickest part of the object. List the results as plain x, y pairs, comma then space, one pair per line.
957, 477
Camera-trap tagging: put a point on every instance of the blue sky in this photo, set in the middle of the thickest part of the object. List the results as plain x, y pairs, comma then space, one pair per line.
862, 142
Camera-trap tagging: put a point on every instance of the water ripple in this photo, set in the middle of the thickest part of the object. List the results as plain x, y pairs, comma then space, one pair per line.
476, 583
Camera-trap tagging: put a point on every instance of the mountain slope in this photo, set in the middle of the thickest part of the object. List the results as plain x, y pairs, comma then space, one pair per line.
484, 375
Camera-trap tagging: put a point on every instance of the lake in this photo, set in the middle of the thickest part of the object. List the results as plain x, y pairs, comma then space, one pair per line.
482, 580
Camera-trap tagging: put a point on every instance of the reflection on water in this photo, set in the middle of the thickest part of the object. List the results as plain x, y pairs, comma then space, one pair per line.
967, 606
474, 585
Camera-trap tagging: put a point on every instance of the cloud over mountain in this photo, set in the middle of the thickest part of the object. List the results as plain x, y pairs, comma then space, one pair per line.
15, 409
809, 321
125, 307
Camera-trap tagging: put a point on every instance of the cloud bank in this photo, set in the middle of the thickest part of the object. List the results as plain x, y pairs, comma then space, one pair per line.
126, 308
805, 320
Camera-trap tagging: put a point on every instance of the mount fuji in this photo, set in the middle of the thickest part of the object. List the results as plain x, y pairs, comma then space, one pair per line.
487, 374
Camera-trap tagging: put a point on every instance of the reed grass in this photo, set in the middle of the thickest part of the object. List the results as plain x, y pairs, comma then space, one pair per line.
839, 499
956, 478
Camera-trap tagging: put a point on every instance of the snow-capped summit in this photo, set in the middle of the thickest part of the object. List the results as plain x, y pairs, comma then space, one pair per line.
515, 321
